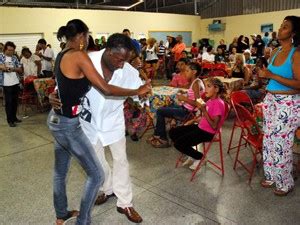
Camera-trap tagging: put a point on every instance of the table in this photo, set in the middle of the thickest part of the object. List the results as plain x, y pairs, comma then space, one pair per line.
232, 84
163, 96
43, 87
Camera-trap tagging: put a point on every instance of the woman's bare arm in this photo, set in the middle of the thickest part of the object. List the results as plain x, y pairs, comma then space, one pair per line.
88, 69
293, 83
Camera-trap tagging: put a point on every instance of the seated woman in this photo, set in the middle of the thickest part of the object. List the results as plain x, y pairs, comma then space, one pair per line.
208, 56
179, 80
220, 56
239, 70
159, 139
248, 58
135, 118
135, 115
256, 90
232, 56
213, 116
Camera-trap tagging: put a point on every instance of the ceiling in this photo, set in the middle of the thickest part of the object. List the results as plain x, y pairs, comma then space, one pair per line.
166, 6
203, 8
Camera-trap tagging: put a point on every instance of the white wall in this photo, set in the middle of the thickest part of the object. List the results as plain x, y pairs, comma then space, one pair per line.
244, 24
47, 21
15, 20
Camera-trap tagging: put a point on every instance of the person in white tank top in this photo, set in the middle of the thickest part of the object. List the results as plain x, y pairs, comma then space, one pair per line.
151, 54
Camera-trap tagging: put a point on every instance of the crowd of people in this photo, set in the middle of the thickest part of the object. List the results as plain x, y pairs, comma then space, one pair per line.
85, 118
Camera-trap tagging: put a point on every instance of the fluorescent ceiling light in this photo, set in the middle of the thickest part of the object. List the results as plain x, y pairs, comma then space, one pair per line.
133, 5
121, 7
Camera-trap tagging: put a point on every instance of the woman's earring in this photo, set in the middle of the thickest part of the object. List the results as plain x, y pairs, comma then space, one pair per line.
292, 40
81, 45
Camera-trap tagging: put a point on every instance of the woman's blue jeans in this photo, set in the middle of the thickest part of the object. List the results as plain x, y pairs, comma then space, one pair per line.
70, 140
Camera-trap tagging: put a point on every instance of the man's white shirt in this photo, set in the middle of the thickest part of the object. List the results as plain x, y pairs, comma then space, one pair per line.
102, 116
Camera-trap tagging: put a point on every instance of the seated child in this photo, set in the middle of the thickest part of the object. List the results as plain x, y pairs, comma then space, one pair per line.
179, 80
213, 116
159, 139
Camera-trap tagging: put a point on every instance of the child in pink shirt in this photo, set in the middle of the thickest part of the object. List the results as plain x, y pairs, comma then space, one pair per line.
213, 116
179, 80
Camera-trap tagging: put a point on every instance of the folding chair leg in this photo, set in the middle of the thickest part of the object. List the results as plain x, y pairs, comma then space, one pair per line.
231, 137
237, 153
205, 151
179, 160
149, 125
198, 167
252, 168
221, 156
254, 164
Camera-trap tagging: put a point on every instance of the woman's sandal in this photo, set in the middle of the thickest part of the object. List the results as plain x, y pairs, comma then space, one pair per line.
267, 183
152, 138
159, 143
282, 193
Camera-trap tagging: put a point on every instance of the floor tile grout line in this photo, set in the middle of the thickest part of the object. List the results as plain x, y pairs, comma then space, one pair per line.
205, 209
155, 186
182, 205
36, 134
25, 150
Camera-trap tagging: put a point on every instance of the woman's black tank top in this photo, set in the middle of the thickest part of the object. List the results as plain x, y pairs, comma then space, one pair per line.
239, 74
70, 91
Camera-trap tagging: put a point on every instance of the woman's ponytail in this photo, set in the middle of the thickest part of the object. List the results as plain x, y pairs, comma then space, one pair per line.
72, 28
61, 33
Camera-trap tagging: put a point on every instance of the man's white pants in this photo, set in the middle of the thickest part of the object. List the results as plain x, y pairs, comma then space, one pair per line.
118, 180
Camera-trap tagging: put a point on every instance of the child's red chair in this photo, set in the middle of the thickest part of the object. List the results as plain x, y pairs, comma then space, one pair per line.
238, 97
206, 147
251, 134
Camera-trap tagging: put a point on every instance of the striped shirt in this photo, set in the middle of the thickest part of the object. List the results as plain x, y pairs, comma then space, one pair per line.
191, 94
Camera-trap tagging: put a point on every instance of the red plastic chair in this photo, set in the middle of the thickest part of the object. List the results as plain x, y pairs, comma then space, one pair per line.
28, 95
209, 66
238, 97
220, 66
206, 147
251, 134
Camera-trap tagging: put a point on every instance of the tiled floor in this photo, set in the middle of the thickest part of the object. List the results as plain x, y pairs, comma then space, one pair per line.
162, 194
